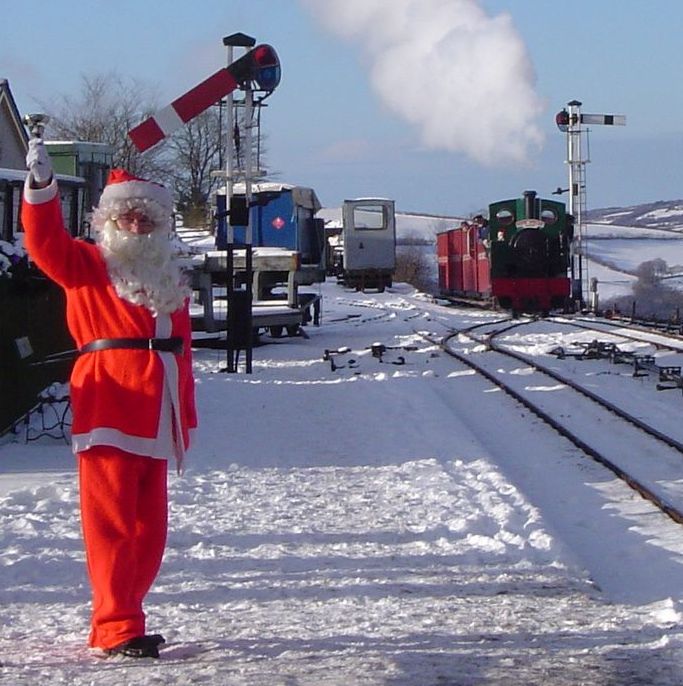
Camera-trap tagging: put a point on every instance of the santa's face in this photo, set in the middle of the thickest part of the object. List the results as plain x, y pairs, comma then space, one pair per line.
135, 221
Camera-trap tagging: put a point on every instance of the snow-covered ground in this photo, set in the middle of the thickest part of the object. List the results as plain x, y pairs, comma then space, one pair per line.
612, 283
393, 521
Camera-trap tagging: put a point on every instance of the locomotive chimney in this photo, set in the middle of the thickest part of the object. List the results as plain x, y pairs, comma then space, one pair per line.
530, 209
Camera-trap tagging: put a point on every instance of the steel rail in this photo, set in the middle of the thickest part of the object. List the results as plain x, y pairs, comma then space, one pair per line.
658, 501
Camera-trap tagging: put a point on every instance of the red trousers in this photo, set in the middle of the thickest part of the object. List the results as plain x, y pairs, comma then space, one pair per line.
124, 519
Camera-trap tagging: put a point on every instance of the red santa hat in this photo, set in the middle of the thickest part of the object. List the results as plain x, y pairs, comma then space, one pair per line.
123, 189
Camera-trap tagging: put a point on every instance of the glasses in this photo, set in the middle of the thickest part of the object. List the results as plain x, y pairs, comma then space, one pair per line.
134, 220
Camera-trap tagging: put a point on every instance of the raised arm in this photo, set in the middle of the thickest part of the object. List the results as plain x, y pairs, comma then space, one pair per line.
46, 239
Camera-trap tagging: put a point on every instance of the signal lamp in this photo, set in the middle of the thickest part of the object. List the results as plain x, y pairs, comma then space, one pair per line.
260, 66
562, 120
266, 68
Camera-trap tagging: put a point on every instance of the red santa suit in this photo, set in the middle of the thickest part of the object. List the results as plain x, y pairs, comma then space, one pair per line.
129, 407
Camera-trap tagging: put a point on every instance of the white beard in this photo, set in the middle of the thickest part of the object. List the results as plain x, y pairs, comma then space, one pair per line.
142, 268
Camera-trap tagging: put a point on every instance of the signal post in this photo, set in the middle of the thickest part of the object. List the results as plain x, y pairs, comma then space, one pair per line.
257, 70
570, 121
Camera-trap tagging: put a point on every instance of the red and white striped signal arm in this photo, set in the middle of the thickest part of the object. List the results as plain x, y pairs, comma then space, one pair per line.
162, 124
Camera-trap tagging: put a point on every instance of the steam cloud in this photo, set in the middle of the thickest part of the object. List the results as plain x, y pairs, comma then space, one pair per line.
461, 77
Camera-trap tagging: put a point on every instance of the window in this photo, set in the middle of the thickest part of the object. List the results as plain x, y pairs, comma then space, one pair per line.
548, 216
505, 217
369, 218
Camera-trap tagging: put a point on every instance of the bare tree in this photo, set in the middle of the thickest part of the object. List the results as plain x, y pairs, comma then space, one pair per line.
104, 110
413, 267
196, 152
650, 273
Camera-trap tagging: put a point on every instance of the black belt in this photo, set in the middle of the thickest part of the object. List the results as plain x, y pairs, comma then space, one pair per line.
169, 345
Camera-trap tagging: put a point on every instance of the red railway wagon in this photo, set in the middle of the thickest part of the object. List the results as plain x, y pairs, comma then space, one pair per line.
463, 263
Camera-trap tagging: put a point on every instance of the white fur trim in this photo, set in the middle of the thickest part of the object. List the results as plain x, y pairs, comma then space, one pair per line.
37, 196
134, 190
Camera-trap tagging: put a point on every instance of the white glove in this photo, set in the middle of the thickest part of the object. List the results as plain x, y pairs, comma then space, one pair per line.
38, 161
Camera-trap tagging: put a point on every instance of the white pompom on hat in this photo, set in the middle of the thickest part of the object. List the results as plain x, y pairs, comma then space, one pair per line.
123, 189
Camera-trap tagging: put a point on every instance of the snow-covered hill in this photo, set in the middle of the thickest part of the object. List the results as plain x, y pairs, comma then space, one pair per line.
662, 214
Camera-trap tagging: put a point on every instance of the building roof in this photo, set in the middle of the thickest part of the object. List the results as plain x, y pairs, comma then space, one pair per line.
12, 129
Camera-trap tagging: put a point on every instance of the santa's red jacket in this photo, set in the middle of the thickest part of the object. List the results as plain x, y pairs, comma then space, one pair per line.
141, 401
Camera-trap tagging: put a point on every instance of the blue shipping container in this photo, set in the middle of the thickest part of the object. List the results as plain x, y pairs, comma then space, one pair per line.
282, 216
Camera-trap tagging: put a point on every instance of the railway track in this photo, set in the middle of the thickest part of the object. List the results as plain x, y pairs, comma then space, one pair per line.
672, 329
642, 456
661, 339
588, 421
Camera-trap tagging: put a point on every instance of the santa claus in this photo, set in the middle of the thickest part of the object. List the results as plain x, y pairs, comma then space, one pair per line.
132, 390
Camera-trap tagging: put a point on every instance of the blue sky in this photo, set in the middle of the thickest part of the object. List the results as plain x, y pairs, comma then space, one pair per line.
344, 118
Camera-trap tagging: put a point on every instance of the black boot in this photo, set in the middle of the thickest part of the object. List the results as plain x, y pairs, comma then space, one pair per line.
154, 639
140, 646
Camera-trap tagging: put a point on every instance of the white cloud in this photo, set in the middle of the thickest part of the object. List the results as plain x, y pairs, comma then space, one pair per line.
461, 77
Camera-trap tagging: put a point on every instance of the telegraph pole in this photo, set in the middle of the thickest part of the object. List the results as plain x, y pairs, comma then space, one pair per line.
570, 121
